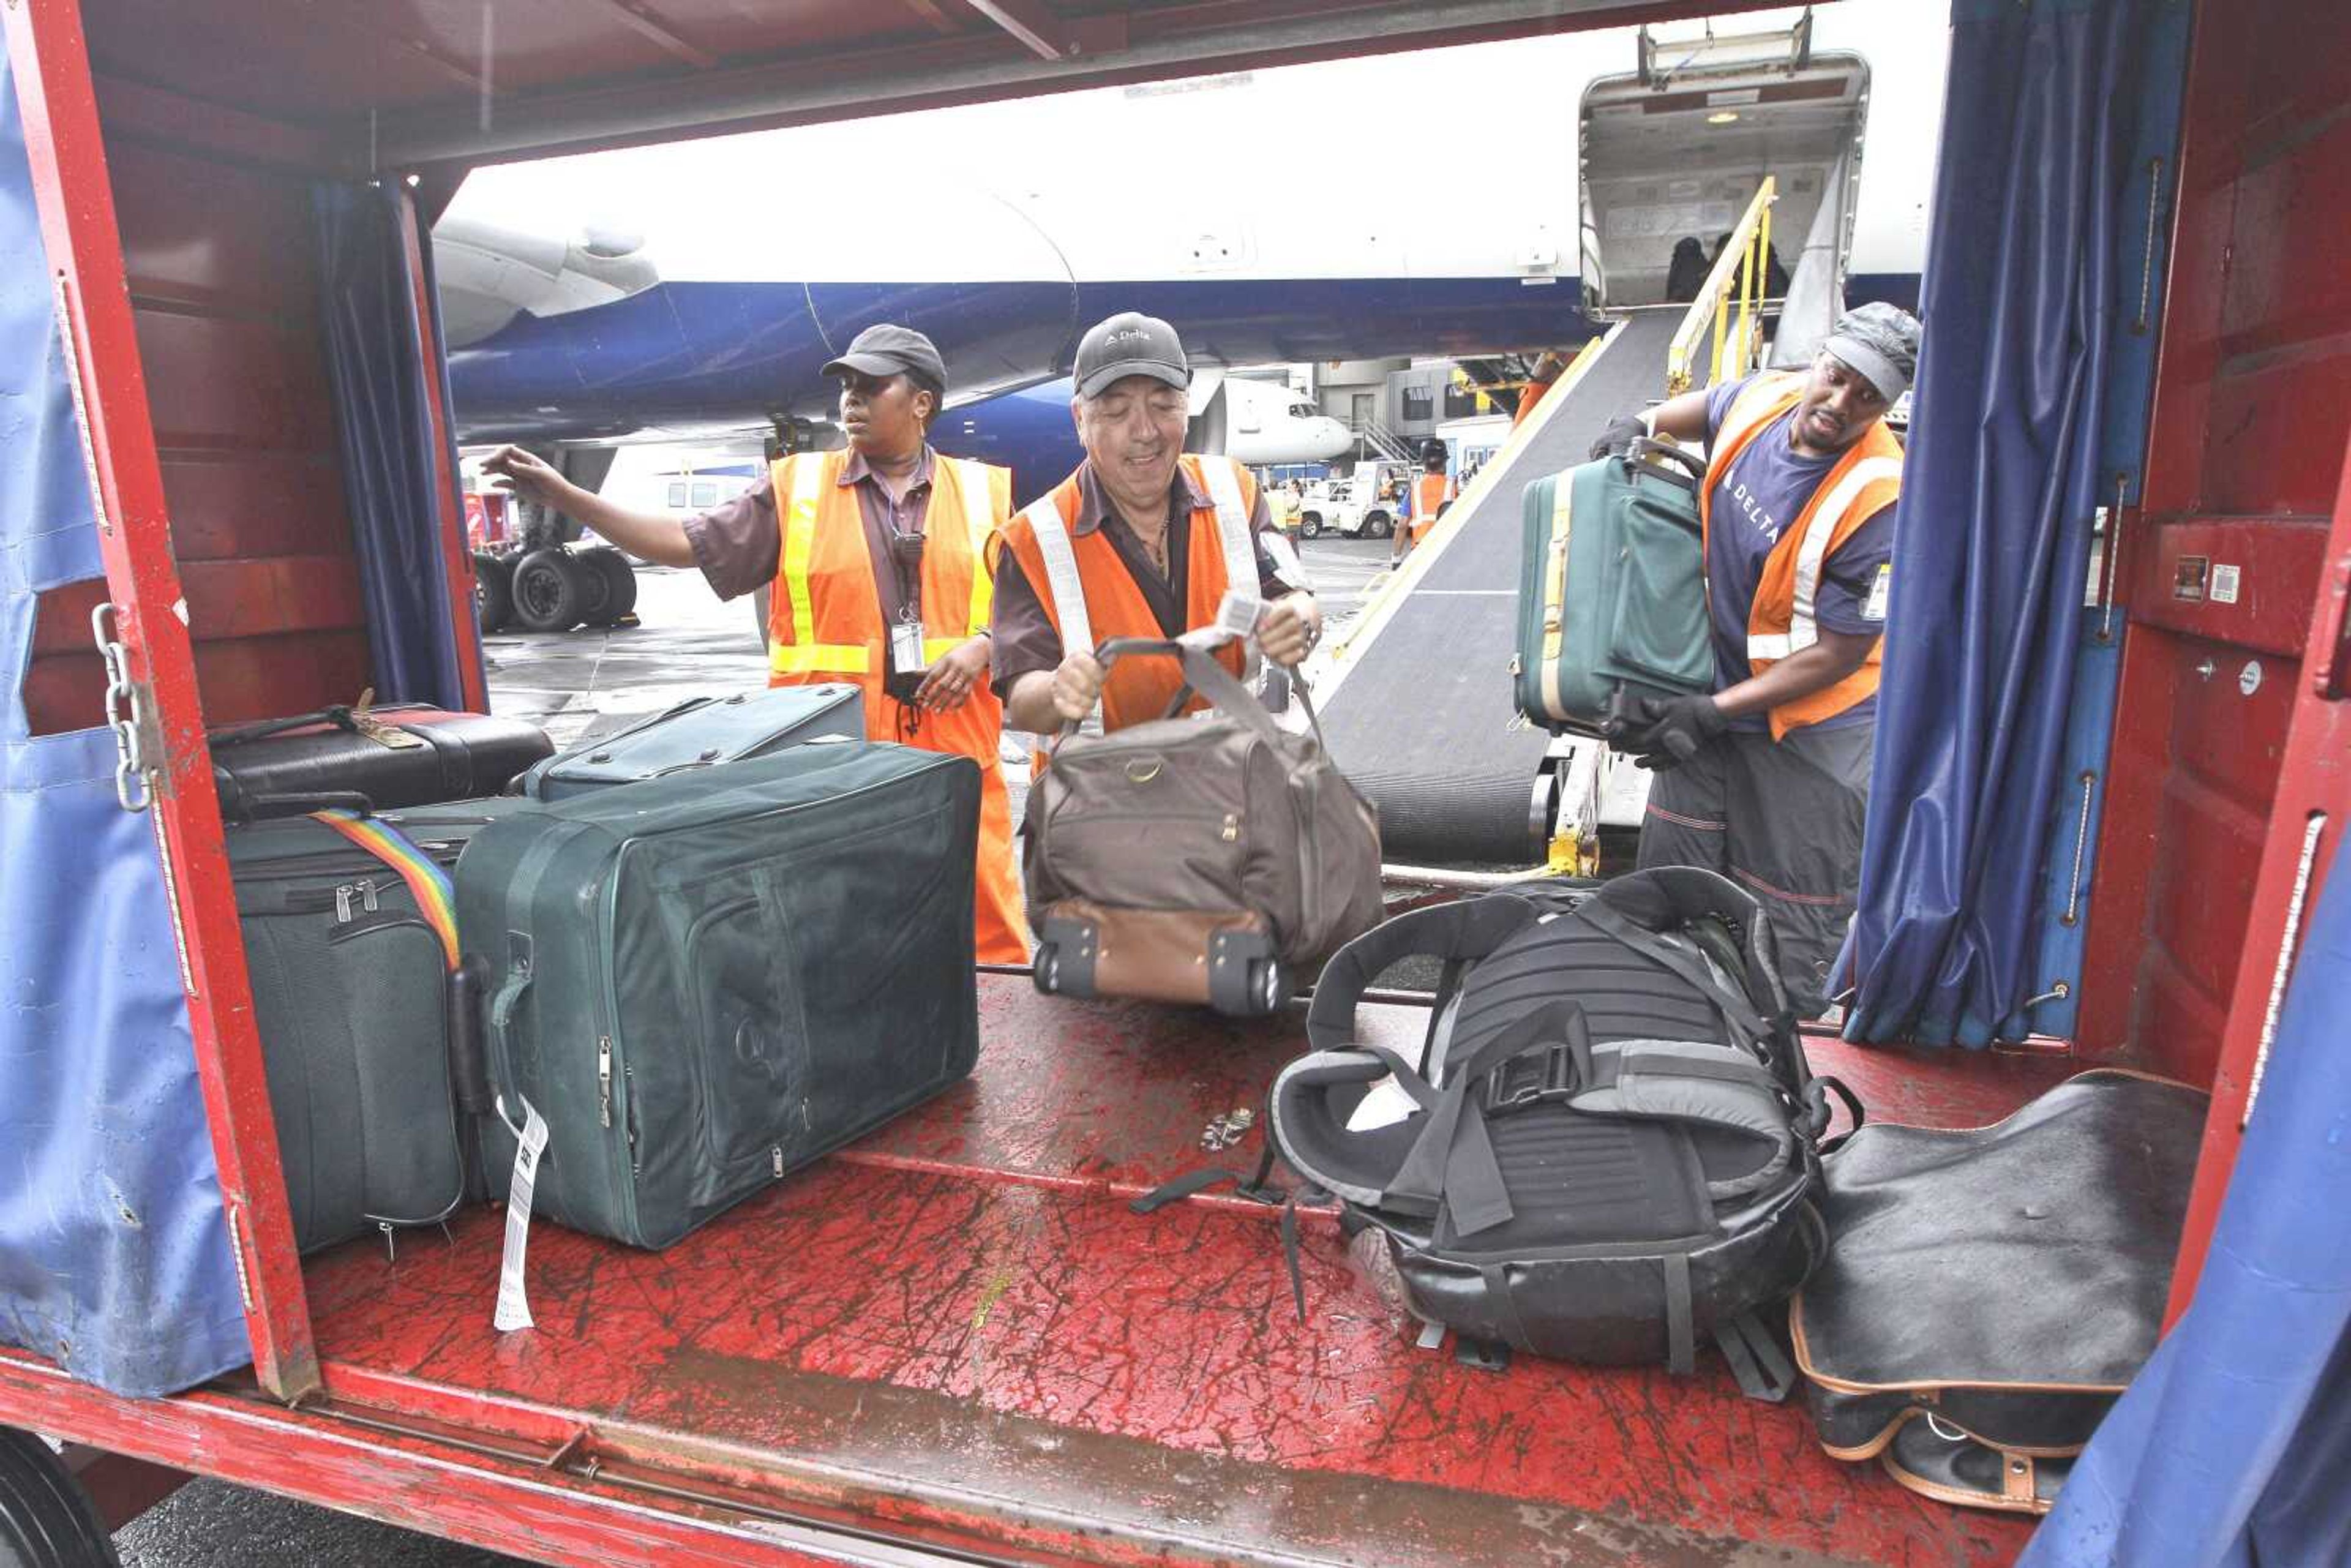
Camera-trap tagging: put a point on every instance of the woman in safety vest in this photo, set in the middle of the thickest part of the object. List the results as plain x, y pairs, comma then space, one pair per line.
881, 559
1767, 778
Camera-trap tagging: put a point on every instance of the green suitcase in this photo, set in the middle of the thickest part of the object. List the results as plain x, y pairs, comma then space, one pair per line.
703, 982
1611, 589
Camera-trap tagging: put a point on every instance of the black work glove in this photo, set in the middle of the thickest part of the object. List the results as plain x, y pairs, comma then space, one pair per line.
1618, 438
1669, 730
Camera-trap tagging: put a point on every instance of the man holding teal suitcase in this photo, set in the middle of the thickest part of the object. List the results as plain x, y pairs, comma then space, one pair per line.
1766, 780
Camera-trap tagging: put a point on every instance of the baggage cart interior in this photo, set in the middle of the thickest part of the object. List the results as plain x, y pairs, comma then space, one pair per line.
953, 1341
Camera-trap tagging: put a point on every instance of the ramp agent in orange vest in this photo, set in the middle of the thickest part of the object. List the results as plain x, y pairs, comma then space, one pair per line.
1767, 780
1430, 493
825, 623
1142, 541
851, 544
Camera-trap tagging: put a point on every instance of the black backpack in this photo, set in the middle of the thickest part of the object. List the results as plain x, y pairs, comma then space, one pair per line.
1609, 1149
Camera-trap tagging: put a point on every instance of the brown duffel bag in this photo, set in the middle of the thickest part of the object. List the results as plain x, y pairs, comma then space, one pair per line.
1212, 860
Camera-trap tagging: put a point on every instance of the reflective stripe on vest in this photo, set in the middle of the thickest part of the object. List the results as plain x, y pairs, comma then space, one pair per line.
1223, 479
979, 521
1067, 588
803, 658
1811, 552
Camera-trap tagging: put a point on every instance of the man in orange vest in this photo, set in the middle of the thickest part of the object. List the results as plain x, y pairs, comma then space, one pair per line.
1428, 497
881, 558
1142, 540
1767, 780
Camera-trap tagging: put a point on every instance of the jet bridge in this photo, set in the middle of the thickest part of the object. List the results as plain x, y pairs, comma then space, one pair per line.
1415, 697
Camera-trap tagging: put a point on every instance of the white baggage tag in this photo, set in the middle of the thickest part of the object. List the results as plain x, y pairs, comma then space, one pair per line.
906, 648
514, 1307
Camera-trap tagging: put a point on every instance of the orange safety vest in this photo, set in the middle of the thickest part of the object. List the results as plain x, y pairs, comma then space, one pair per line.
824, 623
1429, 492
1110, 603
1865, 478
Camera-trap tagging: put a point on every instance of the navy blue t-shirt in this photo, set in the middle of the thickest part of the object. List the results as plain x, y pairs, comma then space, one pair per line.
1765, 493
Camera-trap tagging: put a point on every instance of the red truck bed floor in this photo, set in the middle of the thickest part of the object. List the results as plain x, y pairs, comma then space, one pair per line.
958, 1331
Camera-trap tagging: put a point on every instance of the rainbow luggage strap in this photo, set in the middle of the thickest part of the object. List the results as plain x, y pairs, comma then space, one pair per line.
435, 895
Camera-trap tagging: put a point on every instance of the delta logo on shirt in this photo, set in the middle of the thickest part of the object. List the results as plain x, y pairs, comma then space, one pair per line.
1764, 522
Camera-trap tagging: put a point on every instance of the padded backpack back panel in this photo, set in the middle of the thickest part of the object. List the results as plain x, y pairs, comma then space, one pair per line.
1624, 995
1574, 1178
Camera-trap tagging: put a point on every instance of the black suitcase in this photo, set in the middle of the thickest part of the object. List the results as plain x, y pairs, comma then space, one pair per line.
703, 982
372, 1043
381, 759
702, 733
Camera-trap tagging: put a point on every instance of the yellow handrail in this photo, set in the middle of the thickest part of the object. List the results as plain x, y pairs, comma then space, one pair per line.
1738, 269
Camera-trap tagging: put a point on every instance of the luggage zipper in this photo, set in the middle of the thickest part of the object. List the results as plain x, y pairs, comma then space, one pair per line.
363, 890
604, 1080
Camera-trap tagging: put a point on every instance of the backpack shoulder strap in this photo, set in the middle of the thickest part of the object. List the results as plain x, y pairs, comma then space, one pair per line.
1469, 929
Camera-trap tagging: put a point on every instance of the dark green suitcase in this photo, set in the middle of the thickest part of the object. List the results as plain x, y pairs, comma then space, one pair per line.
368, 1040
703, 982
1611, 589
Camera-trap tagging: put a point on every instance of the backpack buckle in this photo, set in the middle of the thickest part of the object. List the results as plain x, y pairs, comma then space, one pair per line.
1533, 1077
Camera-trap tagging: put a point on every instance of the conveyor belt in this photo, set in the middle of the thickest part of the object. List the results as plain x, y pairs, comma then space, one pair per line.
1419, 713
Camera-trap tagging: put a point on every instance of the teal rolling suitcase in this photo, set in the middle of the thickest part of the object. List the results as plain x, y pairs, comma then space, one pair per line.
1611, 589
704, 981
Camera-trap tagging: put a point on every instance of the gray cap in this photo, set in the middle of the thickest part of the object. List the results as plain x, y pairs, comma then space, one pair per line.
1881, 341
1130, 344
887, 350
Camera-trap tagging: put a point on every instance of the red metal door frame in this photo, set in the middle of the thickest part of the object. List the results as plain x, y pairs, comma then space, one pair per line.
2306, 828
50, 65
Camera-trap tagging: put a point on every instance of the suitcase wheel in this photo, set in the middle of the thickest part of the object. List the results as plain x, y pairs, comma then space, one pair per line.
1047, 969
1269, 987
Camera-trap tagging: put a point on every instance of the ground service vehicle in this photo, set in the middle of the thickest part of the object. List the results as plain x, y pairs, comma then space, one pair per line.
953, 1342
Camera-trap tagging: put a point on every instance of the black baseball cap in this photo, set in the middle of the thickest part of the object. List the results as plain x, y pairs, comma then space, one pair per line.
883, 350
1130, 344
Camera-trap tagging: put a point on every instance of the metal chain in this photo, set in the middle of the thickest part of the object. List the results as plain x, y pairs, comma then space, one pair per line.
133, 784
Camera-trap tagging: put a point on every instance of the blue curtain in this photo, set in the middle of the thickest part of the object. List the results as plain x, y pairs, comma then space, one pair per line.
391, 485
2232, 1449
114, 1258
2033, 261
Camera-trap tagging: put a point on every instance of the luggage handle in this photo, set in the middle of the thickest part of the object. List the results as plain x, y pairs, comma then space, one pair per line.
253, 808
342, 716
502, 1005
1644, 447
1212, 681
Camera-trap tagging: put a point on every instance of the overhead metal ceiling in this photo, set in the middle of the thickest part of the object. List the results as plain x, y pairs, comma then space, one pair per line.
412, 83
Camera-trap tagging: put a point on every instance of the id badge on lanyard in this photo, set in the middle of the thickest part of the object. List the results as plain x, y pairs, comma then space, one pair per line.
906, 648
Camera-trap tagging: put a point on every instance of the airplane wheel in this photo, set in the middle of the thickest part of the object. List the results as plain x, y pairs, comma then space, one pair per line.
47, 1520
550, 590
1310, 526
619, 582
595, 590
1378, 526
493, 592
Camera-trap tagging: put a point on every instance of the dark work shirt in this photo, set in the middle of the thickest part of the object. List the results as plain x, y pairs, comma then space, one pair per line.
1025, 637
739, 545
1758, 501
